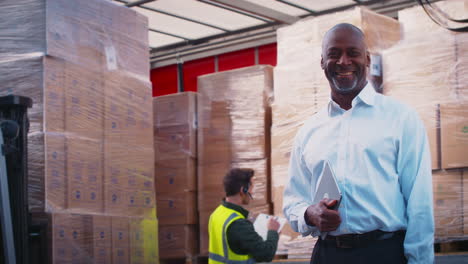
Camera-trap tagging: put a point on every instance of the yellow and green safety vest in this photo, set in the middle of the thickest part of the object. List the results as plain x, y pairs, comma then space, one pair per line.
219, 250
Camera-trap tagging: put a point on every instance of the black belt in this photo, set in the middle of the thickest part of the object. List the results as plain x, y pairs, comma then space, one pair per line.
362, 240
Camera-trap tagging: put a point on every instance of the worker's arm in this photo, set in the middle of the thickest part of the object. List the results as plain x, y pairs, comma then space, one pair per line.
414, 170
243, 239
299, 191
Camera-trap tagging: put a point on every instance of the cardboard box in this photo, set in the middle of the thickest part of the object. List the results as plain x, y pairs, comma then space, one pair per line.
143, 240
137, 111
214, 145
175, 175
235, 114
128, 110
277, 197
210, 184
66, 84
77, 37
84, 101
115, 187
177, 208
55, 193
431, 120
415, 21
27, 39
175, 110
136, 240
178, 241
139, 168
85, 172
461, 44
102, 239
175, 142
54, 94
403, 79
70, 238
454, 135
140, 203
120, 240
128, 182
448, 210
175, 128
204, 238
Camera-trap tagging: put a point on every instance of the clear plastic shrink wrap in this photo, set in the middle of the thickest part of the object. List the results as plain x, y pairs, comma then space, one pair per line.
428, 70
175, 144
301, 89
85, 65
234, 120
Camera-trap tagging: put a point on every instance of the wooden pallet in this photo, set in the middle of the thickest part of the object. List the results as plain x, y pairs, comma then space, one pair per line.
451, 246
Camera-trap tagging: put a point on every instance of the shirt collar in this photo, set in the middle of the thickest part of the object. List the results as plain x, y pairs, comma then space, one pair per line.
236, 207
367, 96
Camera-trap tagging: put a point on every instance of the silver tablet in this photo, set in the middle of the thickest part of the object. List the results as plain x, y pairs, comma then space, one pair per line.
327, 187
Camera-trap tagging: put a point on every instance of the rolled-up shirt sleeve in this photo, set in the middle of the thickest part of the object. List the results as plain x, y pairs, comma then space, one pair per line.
299, 191
414, 168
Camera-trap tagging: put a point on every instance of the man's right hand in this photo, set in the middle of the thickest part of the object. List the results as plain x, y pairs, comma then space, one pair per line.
322, 216
273, 224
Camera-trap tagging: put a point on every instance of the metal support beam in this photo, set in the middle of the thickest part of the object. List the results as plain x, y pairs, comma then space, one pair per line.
296, 6
209, 2
174, 15
169, 34
259, 10
199, 41
137, 3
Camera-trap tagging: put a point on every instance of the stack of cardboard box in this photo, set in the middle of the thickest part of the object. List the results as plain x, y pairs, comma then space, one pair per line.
233, 132
301, 89
85, 65
175, 134
427, 70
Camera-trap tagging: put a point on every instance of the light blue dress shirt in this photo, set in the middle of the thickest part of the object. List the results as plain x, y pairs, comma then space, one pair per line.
379, 152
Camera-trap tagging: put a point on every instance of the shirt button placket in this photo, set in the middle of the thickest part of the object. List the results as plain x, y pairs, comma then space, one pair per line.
344, 163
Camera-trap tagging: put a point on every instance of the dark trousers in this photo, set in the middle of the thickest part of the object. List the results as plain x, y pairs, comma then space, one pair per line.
388, 251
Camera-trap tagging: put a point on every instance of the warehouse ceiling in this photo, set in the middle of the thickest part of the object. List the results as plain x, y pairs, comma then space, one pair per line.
190, 29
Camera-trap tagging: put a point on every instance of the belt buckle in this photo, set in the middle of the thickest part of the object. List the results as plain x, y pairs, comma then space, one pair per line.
344, 242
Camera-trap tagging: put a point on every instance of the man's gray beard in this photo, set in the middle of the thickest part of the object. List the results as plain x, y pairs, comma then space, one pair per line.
346, 89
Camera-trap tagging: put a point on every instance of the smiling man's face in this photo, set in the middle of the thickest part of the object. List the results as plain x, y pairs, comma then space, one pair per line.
345, 59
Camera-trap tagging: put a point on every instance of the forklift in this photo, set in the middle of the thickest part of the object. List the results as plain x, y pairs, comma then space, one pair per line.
22, 242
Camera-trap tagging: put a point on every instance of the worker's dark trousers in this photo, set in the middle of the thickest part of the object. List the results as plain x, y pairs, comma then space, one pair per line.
388, 251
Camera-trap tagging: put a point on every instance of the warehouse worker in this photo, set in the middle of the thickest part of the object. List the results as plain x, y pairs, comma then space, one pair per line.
232, 236
379, 152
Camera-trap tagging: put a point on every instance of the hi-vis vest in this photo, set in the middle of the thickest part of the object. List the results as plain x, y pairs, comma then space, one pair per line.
219, 251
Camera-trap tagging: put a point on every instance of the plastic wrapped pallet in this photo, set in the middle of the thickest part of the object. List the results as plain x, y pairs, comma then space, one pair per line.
178, 241
301, 88
234, 121
175, 133
427, 70
85, 65
84, 238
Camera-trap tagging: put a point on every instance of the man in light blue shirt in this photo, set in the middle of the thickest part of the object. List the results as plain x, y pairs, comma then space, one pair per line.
379, 152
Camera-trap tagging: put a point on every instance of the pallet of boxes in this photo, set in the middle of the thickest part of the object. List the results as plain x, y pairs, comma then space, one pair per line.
85, 66
175, 134
301, 89
234, 121
428, 70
